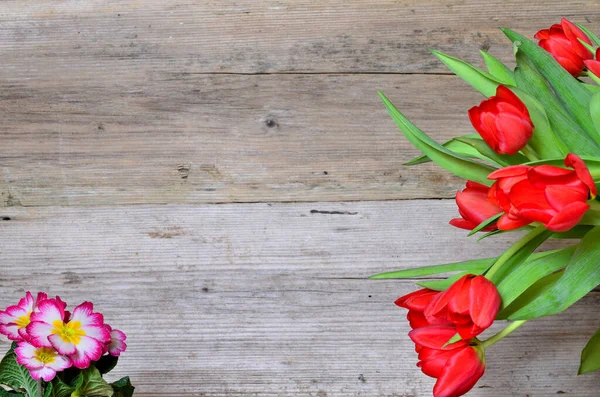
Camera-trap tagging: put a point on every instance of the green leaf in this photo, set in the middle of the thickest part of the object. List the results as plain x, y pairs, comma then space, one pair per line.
485, 223
59, 388
442, 285
590, 48
488, 153
93, 385
497, 69
543, 140
529, 272
460, 148
11, 393
458, 165
562, 133
591, 88
593, 38
16, 376
471, 266
106, 363
532, 293
519, 252
590, 356
595, 111
123, 387
574, 97
477, 78
581, 275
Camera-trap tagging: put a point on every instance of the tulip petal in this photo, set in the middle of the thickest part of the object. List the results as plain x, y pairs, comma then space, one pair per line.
416, 300
568, 217
434, 336
561, 196
573, 33
511, 171
484, 301
460, 374
432, 361
582, 171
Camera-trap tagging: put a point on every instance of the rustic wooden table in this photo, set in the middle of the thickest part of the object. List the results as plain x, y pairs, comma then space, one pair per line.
220, 177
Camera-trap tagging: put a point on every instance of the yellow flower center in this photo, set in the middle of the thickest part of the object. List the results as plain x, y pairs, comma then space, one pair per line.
23, 321
70, 332
46, 355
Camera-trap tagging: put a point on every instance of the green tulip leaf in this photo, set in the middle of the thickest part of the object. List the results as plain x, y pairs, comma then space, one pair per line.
460, 148
581, 275
593, 38
532, 293
574, 97
444, 284
488, 153
497, 69
485, 223
471, 266
590, 356
543, 140
590, 48
529, 272
591, 88
595, 111
477, 78
456, 164
562, 130
518, 253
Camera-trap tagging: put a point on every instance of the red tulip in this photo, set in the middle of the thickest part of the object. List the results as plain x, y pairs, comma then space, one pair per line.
474, 207
502, 121
457, 366
416, 302
553, 196
471, 304
562, 42
593, 65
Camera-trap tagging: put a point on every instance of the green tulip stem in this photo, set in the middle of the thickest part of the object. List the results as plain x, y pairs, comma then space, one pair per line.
502, 334
39, 388
530, 153
513, 250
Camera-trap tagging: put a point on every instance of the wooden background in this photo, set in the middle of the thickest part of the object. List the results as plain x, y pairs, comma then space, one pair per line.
220, 178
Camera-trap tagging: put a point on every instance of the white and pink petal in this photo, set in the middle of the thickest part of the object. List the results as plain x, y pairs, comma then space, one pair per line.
48, 313
45, 373
97, 332
60, 363
62, 347
39, 332
84, 313
11, 331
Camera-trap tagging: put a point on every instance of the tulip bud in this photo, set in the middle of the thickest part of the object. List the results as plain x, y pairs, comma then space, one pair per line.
474, 207
471, 304
553, 196
502, 121
457, 366
593, 65
562, 42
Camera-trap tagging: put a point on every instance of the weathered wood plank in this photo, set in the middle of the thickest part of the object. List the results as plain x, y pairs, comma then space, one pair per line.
271, 300
49, 38
186, 138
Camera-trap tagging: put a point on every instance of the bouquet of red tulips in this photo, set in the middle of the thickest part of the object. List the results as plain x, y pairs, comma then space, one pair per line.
532, 166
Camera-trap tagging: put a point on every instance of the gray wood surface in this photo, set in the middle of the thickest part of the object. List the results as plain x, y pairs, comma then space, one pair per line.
131, 130
271, 299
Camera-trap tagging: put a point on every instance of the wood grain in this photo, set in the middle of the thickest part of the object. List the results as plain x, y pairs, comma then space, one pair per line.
50, 38
271, 300
187, 138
